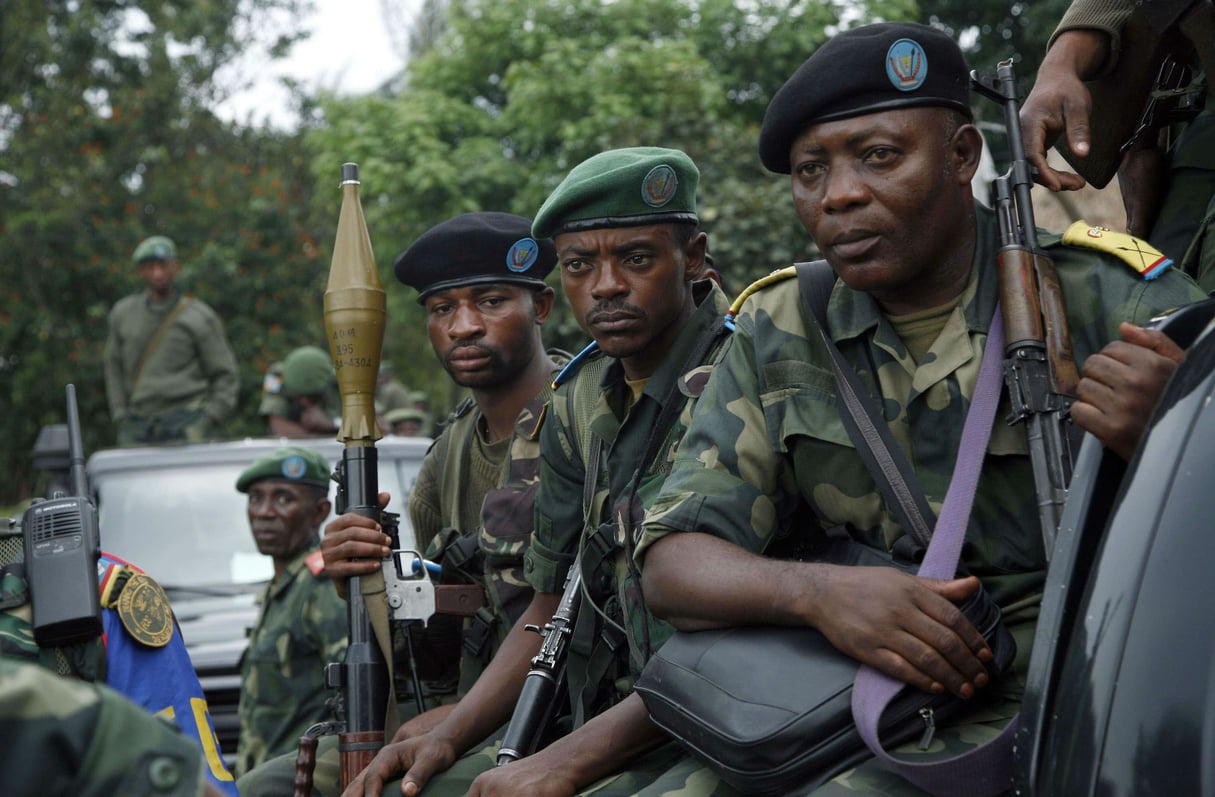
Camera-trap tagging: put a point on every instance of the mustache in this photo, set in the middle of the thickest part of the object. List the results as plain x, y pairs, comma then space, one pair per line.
616, 307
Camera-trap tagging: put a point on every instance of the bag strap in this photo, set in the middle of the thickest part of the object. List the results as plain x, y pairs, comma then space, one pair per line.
157, 337
987, 769
864, 420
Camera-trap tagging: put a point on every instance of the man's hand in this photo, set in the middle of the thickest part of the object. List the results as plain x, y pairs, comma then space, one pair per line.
422, 723
1121, 385
905, 626
419, 759
1060, 103
532, 776
354, 545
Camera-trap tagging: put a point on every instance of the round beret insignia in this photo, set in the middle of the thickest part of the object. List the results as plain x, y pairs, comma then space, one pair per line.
906, 65
659, 186
144, 611
294, 467
523, 255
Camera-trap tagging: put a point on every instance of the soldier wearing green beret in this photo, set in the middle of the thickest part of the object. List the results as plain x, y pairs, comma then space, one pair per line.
875, 132
65, 737
300, 395
301, 625
390, 395
630, 254
481, 279
170, 372
405, 422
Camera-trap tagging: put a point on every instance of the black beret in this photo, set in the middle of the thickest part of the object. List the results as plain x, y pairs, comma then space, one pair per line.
476, 248
879, 67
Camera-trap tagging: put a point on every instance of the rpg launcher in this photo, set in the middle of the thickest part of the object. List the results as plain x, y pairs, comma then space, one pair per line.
1039, 369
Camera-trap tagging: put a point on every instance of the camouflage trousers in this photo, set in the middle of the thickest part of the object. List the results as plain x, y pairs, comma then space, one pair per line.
1185, 227
665, 772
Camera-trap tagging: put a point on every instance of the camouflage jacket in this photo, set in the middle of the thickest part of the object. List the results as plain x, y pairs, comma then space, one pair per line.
67, 737
605, 533
301, 627
767, 439
491, 554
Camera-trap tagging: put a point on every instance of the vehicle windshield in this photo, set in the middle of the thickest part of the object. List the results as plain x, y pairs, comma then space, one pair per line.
186, 525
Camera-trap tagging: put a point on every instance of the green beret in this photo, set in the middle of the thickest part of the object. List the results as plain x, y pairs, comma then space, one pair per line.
404, 414
157, 247
292, 464
873, 68
307, 371
622, 188
476, 248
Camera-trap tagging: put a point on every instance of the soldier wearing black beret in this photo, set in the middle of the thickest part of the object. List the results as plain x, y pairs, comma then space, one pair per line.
480, 278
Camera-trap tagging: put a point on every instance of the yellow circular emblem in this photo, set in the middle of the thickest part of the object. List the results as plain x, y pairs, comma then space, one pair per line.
144, 610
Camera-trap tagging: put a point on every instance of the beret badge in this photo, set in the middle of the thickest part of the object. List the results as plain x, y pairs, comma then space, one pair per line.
906, 65
659, 186
522, 255
294, 467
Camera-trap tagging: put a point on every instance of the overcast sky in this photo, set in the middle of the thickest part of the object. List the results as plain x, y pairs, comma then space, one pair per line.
348, 52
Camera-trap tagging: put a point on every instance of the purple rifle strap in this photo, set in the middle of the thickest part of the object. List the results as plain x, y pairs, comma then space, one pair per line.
985, 770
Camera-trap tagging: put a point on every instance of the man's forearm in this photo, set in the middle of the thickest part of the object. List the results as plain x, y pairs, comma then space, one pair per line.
607, 743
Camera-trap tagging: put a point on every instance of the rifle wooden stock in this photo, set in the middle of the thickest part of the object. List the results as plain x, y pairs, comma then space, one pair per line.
1064, 374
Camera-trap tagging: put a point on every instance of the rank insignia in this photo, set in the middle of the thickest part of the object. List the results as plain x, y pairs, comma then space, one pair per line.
144, 610
659, 186
1147, 261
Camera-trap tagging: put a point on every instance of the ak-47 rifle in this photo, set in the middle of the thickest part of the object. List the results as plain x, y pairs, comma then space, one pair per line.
544, 683
1040, 369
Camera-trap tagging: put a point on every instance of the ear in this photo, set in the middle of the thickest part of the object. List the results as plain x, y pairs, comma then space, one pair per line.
322, 511
965, 149
694, 255
544, 300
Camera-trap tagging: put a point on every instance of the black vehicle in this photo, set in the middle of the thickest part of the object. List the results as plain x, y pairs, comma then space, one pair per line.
1120, 696
174, 512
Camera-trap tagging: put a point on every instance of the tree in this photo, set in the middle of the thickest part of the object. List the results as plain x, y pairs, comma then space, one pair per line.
105, 138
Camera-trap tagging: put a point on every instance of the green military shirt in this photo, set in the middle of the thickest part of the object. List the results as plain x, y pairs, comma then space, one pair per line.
192, 367
301, 627
68, 737
560, 526
767, 436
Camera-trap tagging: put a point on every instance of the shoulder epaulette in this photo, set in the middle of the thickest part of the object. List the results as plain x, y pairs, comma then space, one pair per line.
1135, 252
778, 275
462, 409
315, 562
575, 365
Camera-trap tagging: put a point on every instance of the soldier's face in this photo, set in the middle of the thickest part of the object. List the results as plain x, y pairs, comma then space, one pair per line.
630, 289
159, 274
886, 197
284, 516
485, 335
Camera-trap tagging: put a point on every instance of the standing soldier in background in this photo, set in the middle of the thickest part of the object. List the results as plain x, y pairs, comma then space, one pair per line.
301, 625
300, 395
170, 373
1167, 180
480, 277
390, 395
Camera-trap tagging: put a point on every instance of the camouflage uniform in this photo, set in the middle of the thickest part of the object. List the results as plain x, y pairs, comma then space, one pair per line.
496, 563
153, 673
1185, 227
66, 737
301, 627
599, 676
188, 381
767, 442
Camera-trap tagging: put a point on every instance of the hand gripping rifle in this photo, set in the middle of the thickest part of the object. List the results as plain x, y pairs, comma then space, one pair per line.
1040, 369
545, 681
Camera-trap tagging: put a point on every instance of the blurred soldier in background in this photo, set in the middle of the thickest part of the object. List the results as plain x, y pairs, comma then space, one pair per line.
300, 395
407, 422
170, 373
65, 738
390, 395
302, 623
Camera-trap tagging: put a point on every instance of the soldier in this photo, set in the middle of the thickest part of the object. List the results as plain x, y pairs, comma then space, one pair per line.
480, 277
880, 163
64, 737
629, 248
390, 394
300, 396
1168, 184
140, 653
170, 373
406, 422
302, 624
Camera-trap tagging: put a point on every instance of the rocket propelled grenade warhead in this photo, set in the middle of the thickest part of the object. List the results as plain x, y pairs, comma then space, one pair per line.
355, 311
